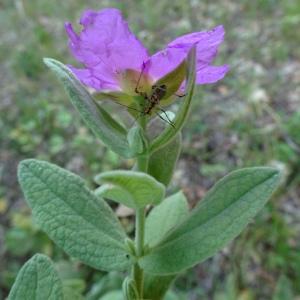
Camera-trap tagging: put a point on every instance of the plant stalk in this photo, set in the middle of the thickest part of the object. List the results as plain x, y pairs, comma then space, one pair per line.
138, 273
139, 240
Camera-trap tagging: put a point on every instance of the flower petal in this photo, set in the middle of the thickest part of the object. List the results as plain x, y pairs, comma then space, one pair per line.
207, 43
105, 46
97, 81
211, 74
165, 61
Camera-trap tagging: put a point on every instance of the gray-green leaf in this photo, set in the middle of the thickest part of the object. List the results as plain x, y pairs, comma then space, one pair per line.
181, 116
163, 161
219, 218
37, 279
112, 133
74, 218
133, 189
164, 217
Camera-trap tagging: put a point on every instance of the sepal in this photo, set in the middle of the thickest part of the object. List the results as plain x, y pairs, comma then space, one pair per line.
103, 125
170, 132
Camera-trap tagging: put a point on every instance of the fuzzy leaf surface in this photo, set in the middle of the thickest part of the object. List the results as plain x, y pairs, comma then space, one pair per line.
219, 218
163, 161
131, 188
37, 279
110, 132
74, 218
164, 217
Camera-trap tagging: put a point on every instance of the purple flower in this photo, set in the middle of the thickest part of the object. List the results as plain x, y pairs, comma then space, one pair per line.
107, 49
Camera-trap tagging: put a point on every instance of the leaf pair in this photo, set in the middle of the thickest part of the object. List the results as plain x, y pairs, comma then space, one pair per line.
219, 218
179, 239
87, 229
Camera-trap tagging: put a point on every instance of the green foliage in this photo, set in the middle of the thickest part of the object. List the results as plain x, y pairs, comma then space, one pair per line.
114, 295
133, 189
171, 131
173, 81
84, 226
155, 287
72, 292
223, 133
110, 282
37, 279
219, 218
112, 133
119, 97
162, 162
164, 217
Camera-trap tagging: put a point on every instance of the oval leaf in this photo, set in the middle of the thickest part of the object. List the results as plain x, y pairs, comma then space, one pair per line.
173, 81
37, 279
74, 218
163, 161
219, 218
181, 116
164, 217
133, 189
96, 118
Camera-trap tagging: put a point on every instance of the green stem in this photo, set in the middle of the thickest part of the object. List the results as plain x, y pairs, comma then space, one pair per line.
139, 240
138, 273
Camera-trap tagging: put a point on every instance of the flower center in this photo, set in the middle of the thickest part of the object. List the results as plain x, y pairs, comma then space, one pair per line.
134, 83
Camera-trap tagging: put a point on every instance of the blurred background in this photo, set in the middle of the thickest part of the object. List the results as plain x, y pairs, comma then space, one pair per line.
250, 118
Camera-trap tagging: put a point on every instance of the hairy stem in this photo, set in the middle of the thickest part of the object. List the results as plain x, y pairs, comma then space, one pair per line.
139, 240
138, 273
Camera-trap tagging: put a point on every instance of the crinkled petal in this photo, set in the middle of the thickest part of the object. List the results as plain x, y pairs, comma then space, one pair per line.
96, 81
163, 62
207, 43
211, 74
105, 44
